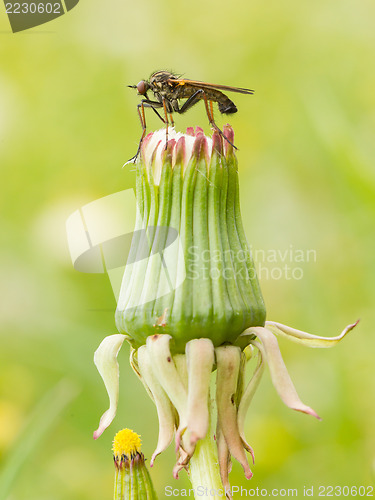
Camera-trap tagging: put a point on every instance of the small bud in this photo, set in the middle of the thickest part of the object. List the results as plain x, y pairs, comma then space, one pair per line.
132, 479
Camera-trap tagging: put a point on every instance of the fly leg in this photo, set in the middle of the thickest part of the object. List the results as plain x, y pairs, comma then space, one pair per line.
210, 115
189, 103
166, 121
145, 103
194, 99
142, 117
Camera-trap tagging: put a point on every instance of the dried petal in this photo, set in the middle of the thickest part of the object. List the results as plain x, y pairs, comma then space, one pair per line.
166, 414
279, 374
105, 359
246, 400
305, 338
199, 359
183, 441
228, 363
182, 460
162, 361
224, 461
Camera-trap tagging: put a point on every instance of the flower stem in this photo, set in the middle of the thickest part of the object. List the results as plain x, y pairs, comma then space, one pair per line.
204, 468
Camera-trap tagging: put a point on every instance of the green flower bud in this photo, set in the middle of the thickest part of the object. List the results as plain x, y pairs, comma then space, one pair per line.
190, 272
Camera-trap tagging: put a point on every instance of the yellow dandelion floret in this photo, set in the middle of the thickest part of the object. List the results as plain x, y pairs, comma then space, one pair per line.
126, 442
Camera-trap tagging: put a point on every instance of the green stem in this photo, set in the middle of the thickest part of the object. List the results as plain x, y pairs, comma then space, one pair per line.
204, 468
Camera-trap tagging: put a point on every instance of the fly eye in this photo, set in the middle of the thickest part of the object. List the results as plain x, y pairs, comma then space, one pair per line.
141, 87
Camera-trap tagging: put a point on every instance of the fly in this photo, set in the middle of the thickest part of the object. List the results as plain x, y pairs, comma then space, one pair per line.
169, 89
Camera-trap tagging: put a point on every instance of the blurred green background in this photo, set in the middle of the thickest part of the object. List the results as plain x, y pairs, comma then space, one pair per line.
307, 175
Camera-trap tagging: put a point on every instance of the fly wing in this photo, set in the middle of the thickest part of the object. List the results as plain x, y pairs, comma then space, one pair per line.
204, 85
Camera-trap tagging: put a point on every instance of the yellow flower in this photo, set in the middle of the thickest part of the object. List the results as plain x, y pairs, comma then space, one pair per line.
126, 443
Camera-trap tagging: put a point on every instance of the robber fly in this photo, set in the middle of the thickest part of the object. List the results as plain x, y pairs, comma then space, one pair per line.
168, 89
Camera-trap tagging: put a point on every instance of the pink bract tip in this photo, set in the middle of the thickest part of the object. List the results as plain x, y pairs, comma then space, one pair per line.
204, 150
190, 131
229, 134
168, 152
147, 139
200, 148
180, 150
217, 143
198, 144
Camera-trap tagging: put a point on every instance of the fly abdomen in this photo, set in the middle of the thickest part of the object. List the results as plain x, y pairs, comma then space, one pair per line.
227, 106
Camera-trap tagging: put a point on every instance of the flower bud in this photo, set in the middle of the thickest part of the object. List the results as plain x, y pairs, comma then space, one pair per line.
190, 272
132, 479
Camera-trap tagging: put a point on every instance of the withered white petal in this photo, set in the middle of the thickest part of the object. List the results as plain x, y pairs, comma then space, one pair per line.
224, 460
169, 378
105, 359
166, 414
279, 374
305, 338
228, 364
247, 398
200, 359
